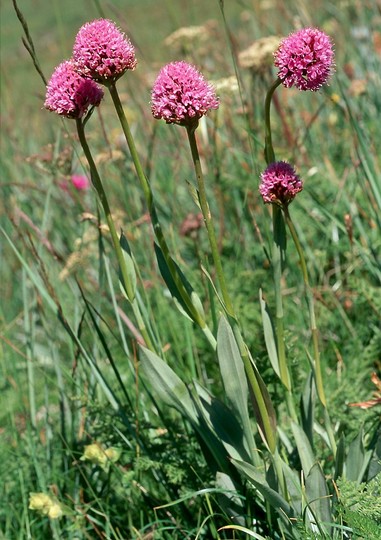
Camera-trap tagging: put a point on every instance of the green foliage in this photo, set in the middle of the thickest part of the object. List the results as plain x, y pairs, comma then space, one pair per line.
185, 415
360, 507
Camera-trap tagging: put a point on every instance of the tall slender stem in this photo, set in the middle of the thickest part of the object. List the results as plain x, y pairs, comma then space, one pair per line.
252, 375
131, 145
276, 261
269, 150
97, 183
195, 314
314, 331
209, 221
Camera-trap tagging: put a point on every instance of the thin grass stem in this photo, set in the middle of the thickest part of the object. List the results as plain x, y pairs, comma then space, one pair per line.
97, 182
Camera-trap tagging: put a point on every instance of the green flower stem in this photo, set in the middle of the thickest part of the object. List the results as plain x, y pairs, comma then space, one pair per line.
131, 145
311, 309
208, 221
269, 150
314, 331
254, 381
154, 217
97, 183
249, 369
276, 262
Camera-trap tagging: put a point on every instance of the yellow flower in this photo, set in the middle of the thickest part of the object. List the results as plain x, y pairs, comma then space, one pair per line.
45, 505
335, 98
100, 456
95, 454
55, 511
40, 502
113, 454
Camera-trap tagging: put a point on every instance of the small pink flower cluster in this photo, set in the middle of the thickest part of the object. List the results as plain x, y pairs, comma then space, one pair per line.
279, 183
80, 182
101, 53
69, 94
305, 59
181, 95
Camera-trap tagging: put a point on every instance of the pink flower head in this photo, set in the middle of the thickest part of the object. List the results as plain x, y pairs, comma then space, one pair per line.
305, 59
279, 183
69, 94
181, 95
80, 182
101, 51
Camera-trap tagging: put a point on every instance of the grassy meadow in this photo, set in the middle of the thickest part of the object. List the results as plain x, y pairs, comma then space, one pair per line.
106, 428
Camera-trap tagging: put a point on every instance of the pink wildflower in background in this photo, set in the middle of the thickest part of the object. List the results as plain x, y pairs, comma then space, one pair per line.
279, 183
181, 95
305, 59
102, 52
68, 94
80, 182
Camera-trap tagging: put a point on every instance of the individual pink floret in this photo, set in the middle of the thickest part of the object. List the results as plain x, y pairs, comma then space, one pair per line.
181, 95
101, 51
80, 182
279, 183
305, 59
68, 94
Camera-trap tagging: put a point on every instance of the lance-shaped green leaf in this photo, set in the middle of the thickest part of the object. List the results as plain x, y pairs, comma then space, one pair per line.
305, 452
318, 499
307, 407
169, 387
270, 495
230, 501
259, 394
357, 459
181, 290
222, 422
33, 275
234, 379
268, 332
174, 393
340, 457
130, 268
375, 461
294, 487
260, 413
194, 193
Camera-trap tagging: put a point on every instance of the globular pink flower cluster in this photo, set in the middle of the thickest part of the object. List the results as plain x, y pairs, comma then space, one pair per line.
101, 51
181, 95
68, 94
305, 59
279, 183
